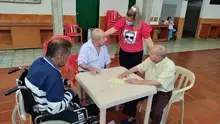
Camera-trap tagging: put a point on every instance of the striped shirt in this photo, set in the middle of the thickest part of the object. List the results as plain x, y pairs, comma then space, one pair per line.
46, 84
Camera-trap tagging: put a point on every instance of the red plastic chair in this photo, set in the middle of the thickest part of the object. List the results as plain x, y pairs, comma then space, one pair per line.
55, 37
72, 66
45, 47
112, 16
71, 31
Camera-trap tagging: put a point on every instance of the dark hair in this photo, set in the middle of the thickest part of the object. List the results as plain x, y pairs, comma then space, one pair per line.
136, 15
58, 45
169, 17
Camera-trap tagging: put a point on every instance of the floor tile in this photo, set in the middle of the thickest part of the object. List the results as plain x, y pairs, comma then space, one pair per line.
172, 46
4, 116
201, 105
195, 108
212, 104
7, 105
189, 121
202, 119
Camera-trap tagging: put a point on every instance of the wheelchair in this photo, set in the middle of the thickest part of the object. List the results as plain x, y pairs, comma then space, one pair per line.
25, 104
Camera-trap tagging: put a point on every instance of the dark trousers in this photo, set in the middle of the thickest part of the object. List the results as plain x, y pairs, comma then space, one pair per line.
70, 116
160, 100
129, 60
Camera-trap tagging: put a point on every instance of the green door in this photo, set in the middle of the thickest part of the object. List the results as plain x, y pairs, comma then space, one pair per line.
87, 15
131, 3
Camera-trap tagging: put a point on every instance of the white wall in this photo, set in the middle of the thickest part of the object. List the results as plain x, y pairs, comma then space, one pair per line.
173, 8
170, 1
209, 10
139, 3
181, 9
69, 8
120, 5
157, 8
168, 10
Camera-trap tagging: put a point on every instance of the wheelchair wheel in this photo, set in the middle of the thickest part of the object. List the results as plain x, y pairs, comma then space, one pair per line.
15, 117
54, 122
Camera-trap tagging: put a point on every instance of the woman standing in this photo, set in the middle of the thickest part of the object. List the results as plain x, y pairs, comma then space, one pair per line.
133, 31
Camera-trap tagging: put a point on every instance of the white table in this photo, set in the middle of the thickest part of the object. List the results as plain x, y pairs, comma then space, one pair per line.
106, 96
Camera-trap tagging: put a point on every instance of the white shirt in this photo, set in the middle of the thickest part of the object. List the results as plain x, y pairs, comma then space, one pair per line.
170, 25
163, 72
88, 55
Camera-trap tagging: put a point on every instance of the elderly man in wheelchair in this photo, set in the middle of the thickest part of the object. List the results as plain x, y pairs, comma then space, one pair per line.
42, 89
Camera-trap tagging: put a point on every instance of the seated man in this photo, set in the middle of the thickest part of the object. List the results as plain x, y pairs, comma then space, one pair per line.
160, 72
171, 29
45, 81
93, 55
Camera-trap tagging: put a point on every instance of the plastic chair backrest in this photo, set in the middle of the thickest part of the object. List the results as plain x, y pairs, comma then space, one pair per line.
72, 63
72, 29
112, 16
185, 79
45, 47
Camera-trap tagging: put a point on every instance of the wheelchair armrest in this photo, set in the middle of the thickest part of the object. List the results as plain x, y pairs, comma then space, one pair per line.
42, 117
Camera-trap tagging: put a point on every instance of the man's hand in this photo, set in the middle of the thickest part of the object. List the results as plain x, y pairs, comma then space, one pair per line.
74, 90
71, 86
132, 81
94, 71
123, 75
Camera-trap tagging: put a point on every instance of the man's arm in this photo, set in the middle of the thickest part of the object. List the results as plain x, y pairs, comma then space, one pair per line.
83, 61
107, 58
58, 100
92, 70
85, 67
142, 68
143, 82
126, 73
164, 78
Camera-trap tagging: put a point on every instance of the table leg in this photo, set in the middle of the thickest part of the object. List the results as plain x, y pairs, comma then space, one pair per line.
148, 109
81, 92
102, 116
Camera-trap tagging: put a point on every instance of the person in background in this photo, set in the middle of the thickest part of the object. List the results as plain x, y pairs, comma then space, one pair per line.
133, 31
171, 29
160, 72
93, 55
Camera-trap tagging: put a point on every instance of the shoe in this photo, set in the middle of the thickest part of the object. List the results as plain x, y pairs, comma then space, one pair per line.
126, 122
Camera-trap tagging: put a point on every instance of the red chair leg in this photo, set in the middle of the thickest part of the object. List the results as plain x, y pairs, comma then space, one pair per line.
119, 38
81, 39
77, 40
115, 38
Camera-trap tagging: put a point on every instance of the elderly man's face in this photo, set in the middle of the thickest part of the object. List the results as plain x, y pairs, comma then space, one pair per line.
102, 39
153, 56
62, 58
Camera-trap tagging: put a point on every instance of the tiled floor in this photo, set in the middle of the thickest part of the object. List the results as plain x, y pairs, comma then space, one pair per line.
202, 102
13, 58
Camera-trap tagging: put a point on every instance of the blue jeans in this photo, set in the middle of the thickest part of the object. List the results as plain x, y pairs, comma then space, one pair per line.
170, 33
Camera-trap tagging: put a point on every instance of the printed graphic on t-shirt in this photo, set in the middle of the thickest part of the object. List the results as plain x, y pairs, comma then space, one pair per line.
130, 36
